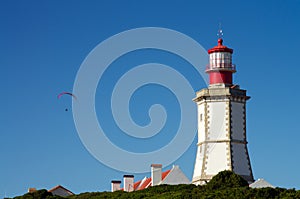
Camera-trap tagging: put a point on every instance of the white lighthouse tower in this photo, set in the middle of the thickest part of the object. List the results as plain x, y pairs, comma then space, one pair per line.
222, 141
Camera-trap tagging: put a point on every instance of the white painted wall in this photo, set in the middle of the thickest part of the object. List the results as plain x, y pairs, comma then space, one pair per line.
221, 118
128, 183
237, 121
217, 158
201, 122
199, 161
217, 120
156, 172
115, 186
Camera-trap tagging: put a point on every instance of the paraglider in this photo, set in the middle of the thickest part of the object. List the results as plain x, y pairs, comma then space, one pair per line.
66, 93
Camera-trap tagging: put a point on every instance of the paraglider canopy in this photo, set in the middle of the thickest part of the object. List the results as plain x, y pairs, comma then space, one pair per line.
66, 93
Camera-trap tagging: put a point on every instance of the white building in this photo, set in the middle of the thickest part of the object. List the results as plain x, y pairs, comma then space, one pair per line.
173, 176
222, 142
261, 183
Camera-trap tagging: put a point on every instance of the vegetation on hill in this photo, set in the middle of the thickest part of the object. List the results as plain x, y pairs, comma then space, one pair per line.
225, 185
40, 194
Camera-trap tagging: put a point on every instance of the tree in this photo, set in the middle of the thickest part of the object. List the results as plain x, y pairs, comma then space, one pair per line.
226, 179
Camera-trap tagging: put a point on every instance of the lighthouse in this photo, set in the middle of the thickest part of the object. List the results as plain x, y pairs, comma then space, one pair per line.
221, 110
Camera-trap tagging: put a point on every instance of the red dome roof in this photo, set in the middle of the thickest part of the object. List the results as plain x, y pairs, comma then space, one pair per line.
220, 48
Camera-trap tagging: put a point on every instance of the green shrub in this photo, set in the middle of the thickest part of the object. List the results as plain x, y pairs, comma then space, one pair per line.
226, 179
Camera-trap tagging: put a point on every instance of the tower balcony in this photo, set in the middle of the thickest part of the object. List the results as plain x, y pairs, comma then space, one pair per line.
221, 67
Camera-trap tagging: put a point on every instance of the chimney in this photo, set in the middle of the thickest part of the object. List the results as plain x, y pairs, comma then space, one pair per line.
115, 185
128, 183
156, 174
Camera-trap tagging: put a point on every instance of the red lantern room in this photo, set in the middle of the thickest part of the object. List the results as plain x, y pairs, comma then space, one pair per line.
220, 66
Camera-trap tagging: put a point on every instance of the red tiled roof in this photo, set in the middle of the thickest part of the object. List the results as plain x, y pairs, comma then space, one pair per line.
143, 184
164, 174
148, 183
135, 185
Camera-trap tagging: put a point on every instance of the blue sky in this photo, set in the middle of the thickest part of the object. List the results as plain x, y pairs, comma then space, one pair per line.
44, 43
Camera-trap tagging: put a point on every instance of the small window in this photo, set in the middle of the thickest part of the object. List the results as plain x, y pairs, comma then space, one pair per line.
201, 117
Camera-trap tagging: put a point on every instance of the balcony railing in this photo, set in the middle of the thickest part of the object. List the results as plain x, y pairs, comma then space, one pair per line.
221, 66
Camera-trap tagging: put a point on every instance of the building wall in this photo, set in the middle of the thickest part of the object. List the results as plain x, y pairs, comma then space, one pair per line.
202, 121
241, 164
217, 158
198, 163
217, 120
238, 123
240, 157
213, 152
128, 184
222, 143
115, 186
217, 133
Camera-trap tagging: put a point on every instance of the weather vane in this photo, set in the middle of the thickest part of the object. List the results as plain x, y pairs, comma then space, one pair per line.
220, 31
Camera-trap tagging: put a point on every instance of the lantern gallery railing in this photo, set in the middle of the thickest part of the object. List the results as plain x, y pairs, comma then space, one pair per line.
221, 66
